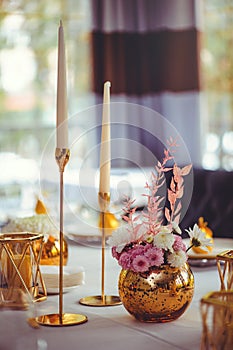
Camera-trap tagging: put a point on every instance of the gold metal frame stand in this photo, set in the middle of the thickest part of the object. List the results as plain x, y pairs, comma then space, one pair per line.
102, 300
225, 271
61, 319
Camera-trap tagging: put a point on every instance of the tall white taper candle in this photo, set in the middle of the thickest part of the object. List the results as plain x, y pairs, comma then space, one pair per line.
62, 117
105, 148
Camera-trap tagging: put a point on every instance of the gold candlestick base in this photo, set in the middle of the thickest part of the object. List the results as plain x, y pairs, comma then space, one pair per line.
97, 300
56, 320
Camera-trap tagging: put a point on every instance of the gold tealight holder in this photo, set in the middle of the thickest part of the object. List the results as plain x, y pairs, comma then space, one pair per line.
217, 321
225, 269
21, 280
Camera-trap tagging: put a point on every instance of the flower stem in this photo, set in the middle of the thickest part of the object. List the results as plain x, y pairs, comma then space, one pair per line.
192, 245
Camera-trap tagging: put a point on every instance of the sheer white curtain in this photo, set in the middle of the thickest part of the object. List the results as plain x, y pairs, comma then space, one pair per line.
149, 50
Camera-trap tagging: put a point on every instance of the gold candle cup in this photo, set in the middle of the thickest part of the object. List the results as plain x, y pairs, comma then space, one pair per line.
217, 320
225, 269
21, 280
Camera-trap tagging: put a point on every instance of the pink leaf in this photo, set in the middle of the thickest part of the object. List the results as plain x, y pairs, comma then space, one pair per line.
167, 215
186, 169
166, 169
161, 183
173, 185
178, 208
125, 218
159, 200
180, 192
177, 219
154, 175
133, 210
136, 229
136, 217
171, 197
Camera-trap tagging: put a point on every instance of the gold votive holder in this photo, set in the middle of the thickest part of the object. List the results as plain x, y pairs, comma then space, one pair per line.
217, 321
225, 269
21, 280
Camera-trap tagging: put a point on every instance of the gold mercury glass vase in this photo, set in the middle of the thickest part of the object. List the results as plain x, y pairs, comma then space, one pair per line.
160, 295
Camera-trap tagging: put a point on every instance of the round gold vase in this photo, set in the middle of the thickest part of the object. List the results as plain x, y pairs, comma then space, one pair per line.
159, 295
51, 251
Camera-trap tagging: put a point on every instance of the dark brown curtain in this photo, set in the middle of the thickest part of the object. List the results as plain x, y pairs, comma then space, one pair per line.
149, 50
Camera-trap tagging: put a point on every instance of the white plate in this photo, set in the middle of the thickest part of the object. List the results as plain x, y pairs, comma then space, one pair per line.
220, 245
209, 259
85, 234
72, 278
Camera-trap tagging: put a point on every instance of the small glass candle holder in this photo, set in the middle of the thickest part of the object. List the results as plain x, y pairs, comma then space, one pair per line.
225, 269
217, 321
21, 280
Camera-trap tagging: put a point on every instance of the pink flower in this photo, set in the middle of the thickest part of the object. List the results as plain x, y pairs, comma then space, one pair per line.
140, 250
114, 253
155, 256
179, 244
140, 263
125, 261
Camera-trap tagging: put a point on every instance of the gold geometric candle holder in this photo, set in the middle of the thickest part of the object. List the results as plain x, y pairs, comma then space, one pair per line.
225, 269
21, 280
217, 321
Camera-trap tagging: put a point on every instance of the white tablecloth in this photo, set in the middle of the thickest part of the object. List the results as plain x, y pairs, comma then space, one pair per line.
107, 327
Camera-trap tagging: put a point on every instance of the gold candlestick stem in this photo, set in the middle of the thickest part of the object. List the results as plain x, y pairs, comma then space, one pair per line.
61, 251
104, 200
102, 300
62, 156
103, 257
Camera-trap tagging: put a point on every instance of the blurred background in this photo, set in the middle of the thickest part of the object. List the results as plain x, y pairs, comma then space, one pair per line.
172, 56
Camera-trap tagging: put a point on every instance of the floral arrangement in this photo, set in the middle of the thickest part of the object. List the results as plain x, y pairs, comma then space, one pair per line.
145, 241
35, 223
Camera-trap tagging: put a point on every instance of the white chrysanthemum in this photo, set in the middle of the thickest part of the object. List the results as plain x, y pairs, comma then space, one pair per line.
36, 224
164, 240
198, 237
164, 229
119, 239
177, 259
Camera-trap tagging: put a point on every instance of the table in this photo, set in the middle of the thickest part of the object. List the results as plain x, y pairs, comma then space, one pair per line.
107, 327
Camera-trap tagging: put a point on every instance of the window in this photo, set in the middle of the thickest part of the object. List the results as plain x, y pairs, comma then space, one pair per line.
28, 66
28, 76
217, 64
28, 61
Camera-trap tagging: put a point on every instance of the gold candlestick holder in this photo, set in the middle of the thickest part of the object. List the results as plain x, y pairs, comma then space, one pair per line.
62, 156
102, 300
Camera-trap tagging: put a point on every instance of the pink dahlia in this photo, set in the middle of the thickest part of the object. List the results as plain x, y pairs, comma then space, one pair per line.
125, 261
155, 256
140, 263
179, 244
139, 250
114, 253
